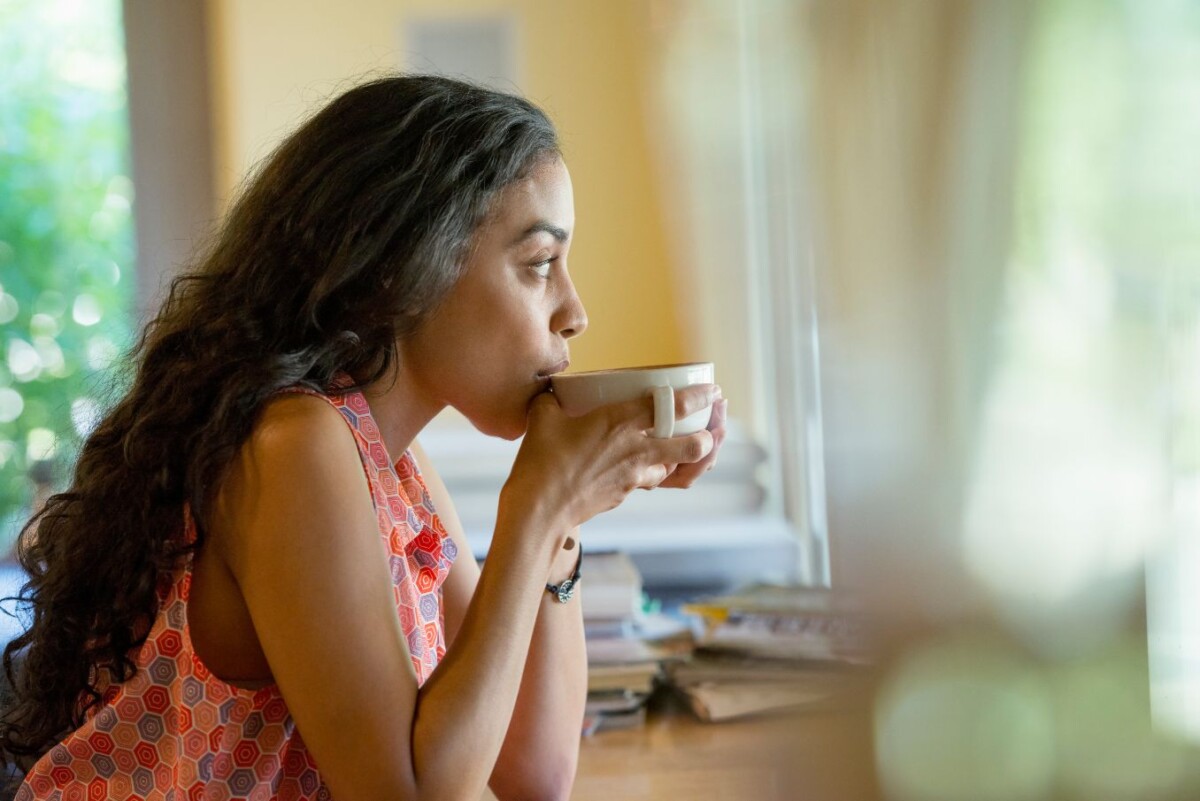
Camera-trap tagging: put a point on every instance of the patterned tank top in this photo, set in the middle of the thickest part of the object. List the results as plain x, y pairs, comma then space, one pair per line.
174, 731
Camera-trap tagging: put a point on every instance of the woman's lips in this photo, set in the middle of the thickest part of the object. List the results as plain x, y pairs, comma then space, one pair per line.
558, 368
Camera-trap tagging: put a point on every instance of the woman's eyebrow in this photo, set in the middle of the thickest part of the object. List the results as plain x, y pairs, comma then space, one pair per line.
542, 227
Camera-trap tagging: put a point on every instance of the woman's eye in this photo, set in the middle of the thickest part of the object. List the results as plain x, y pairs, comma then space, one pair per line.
542, 268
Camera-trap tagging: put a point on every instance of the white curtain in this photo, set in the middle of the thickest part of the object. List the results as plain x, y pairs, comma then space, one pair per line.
845, 166
913, 124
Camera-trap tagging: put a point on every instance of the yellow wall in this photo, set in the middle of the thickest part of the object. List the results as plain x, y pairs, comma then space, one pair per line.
273, 61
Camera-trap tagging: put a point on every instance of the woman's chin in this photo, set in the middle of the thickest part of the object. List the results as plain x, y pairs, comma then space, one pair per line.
510, 427
509, 433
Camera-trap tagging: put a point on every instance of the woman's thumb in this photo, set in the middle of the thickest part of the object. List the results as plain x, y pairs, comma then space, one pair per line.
543, 401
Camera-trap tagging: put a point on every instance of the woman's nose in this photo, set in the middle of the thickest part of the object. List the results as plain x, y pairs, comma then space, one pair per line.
573, 317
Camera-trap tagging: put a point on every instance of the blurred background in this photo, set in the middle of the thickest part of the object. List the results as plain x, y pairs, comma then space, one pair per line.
944, 253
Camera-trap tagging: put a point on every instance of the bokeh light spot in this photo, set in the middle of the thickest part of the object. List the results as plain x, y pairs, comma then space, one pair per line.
965, 720
85, 414
41, 445
23, 360
11, 405
8, 308
86, 310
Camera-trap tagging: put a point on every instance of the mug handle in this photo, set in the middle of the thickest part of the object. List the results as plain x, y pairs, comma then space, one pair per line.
664, 411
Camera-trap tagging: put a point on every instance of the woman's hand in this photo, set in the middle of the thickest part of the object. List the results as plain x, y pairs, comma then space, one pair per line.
683, 476
570, 469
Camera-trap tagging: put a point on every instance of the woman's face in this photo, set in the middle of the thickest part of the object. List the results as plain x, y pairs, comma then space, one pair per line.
505, 324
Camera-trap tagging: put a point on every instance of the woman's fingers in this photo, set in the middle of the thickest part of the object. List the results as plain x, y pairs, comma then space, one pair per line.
690, 400
609, 453
684, 475
718, 416
680, 450
639, 413
655, 474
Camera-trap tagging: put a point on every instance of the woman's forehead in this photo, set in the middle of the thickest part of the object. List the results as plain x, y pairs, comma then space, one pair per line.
541, 203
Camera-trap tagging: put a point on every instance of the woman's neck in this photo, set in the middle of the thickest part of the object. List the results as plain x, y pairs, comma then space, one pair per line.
400, 408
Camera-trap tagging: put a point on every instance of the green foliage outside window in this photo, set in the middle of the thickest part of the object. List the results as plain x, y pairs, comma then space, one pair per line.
1107, 233
66, 236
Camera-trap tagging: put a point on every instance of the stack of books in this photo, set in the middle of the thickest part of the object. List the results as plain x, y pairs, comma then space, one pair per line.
626, 646
768, 648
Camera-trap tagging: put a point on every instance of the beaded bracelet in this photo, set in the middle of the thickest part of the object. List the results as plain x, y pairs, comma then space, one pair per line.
564, 591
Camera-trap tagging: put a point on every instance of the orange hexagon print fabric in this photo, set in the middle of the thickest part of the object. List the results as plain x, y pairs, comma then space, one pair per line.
176, 732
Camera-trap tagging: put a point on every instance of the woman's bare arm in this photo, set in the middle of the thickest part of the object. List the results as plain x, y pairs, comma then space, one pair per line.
541, 748
298, 530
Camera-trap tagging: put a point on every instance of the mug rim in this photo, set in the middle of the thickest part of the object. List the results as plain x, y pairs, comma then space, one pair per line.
637, 369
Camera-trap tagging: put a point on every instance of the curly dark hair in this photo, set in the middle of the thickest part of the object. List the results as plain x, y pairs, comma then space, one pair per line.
345, 240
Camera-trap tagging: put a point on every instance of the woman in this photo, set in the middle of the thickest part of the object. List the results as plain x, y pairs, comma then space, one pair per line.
247, 589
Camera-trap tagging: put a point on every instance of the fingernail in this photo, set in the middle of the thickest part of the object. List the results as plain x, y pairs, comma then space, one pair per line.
714, 394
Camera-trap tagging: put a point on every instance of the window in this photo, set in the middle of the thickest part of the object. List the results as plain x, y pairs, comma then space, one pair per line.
66, 237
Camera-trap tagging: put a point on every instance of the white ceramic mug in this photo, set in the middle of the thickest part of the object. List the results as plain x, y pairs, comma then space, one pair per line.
579, 393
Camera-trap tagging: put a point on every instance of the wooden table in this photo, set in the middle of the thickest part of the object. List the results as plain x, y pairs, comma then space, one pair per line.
817, 755
812, 756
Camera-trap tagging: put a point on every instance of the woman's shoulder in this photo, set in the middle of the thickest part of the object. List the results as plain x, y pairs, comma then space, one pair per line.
296, 425
296, 407
299, 454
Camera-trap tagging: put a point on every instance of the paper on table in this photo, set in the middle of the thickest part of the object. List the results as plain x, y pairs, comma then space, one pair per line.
716, 702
